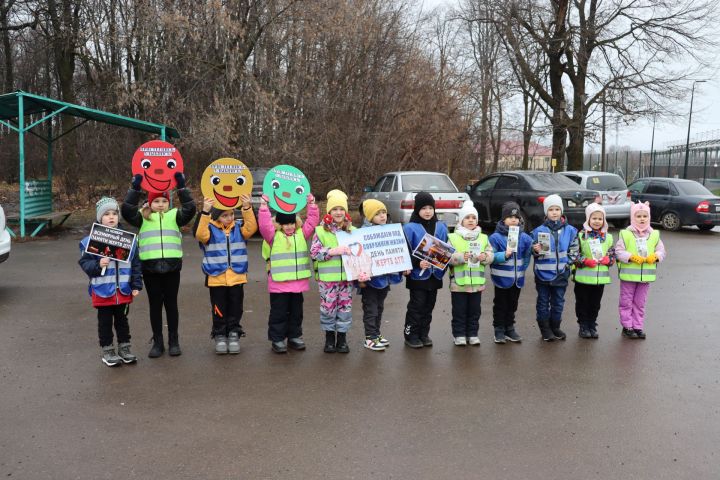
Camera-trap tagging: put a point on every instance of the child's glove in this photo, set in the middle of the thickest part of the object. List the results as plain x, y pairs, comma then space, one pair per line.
637, 259
180, 180
590, 262
136, 181
310, 198
650, 259
363, 277
605, 261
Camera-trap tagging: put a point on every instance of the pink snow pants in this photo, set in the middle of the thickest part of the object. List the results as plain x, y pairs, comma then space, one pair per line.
633, 296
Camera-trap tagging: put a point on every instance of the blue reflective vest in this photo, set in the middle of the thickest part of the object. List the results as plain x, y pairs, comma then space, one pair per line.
223, 251
547, 267
117, 276
511, 271
414, 232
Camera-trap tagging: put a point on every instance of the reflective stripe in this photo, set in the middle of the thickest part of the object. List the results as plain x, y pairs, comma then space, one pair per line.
289, 256
166, 247
223, 260
124, 278
511, 263
291, 269
546, 266
329, 269
166, 232
502, 273
592, 273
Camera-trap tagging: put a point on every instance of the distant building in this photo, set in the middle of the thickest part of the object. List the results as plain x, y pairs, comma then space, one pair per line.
511, 155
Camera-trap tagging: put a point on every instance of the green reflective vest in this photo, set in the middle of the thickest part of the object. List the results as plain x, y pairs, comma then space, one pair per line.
329, 270
463, 273
632, 272
288, 258
160, 237
600, 275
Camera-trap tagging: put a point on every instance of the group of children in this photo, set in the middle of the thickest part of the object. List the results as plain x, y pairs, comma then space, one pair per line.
295, 250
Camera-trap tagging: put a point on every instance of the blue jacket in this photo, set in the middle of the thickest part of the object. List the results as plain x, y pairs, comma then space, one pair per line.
119, 276
511, 271
414, 232
382, 281
225, 251
554, 268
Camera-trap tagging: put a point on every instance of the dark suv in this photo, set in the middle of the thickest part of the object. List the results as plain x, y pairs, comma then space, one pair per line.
528, 189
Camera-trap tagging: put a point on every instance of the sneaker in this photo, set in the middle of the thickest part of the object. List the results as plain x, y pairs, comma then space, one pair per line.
512, 335
414, 343
460, 341
233, 345
384, 341
585, 333
125, 354
426, 341
221, 344
374, 344
499, 335
109, 357
474, 340
296, 343
629, 333
279, 347
639, 333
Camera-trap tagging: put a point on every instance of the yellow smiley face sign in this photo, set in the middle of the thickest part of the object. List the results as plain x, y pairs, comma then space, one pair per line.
225, 180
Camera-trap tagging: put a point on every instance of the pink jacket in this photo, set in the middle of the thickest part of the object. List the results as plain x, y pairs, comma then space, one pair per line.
267, 230
624, 256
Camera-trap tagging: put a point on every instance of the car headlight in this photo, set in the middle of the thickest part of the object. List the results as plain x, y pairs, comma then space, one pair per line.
585, 203
571, 203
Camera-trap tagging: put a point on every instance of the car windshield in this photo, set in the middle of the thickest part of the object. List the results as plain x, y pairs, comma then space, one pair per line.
692, 188
427, 183
551, 181
606, 183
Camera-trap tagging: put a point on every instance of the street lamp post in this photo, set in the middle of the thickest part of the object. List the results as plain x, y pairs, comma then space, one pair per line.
687, 143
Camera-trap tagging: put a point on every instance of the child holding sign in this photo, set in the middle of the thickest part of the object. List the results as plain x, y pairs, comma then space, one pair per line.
425, 280
160, 251
287, 256
592, 270
374, 290
467, 275
638, 251
335, 290
113, 284
225, 264
508, 271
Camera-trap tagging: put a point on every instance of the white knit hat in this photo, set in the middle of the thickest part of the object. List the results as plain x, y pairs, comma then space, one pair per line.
105, 204
589, 210
468, 208
553, 200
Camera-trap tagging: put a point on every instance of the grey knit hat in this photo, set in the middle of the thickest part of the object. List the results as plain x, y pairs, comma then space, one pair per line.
105, 204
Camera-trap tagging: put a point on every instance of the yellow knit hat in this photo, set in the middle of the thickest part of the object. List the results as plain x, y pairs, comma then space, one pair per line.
336, 198
371, 207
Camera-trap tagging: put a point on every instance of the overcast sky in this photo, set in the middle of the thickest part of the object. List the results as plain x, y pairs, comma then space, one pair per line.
705, 119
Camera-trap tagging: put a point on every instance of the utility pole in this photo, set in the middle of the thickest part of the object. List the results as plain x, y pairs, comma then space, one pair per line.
687, 143
602, 149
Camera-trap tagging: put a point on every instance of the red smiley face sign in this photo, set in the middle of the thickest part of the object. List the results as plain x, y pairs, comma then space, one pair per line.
158, 162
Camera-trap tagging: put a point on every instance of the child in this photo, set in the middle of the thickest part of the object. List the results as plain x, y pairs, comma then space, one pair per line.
467, 275
287, 256
160, 251
112, 289
592, 273
425, 280
508, 272
552, 268
638, 250
335, 290
374, 290
225, 264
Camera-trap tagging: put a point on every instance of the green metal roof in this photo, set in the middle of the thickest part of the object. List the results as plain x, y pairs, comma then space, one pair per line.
33, 104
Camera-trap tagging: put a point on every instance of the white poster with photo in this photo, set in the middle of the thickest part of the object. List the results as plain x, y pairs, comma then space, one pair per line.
375, 251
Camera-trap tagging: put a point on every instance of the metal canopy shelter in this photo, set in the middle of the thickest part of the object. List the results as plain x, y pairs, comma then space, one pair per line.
14, 107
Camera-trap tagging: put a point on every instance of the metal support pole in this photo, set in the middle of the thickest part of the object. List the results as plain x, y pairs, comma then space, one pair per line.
687, 143
21, 155
50, 153
626, 166
705, 167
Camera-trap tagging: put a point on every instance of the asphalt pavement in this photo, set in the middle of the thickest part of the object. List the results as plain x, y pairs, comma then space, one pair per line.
607, 408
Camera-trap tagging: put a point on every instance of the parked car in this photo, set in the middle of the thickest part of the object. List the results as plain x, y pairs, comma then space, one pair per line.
4, 238
613, 190
258, 174
397, 191
528, 188
675, 202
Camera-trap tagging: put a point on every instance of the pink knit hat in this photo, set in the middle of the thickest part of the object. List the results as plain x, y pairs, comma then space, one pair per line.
639, 207
589, 210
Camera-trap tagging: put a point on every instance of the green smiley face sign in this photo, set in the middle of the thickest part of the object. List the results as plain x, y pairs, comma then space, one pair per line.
287, 189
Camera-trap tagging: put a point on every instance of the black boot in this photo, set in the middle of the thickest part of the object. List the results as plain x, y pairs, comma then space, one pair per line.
545, 331
173, 345
329, 342
559, 334
342, 346
158, 348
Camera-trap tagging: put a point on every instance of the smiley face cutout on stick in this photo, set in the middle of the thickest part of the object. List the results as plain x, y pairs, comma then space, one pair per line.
158, 162
225, 180
287, 189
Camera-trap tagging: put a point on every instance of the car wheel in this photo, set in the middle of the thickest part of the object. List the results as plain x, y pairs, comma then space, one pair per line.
670, 221
705, 228
524, 219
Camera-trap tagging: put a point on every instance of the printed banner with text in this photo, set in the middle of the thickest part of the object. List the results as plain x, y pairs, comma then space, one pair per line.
375, 251
109, 242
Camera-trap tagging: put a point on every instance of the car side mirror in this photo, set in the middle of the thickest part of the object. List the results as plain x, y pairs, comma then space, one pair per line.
468, 188
367, 189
